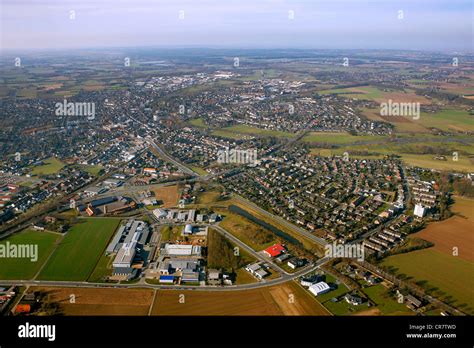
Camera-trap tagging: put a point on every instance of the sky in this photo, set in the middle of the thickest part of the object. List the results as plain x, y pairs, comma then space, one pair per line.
440, 25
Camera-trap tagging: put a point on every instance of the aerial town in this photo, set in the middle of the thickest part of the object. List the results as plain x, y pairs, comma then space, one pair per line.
236, 182
233, 177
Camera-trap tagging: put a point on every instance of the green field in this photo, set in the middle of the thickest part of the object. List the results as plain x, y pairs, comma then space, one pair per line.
341, 307
416, 151
199, 170
447, 277
102, 270
246, 231
387, 304
23, 268
92, 170
341, 138
236, 132
198, 122
365, 92
171, 233
80, 251
448, 120
51, 166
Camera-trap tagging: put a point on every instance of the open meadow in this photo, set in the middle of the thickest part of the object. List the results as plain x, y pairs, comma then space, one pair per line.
80, 250
448, 277
24, 268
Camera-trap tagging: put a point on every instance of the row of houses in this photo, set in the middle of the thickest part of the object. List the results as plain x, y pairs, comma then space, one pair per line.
191, 215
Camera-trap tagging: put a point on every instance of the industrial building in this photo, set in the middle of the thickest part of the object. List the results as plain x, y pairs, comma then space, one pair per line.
319, 288
181, 250
173, 265
107, 205
172, 269
127, 243
178, 215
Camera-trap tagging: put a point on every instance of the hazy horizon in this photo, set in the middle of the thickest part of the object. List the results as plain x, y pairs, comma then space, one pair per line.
422, 25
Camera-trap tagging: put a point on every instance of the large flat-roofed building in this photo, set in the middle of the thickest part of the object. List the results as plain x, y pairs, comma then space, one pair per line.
112, 182
114, 245
126, 243
319, 288
172, 265
182, 250
160, 213
190, 277
125, 255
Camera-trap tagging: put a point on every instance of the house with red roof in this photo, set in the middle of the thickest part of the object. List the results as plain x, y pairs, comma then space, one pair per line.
275, 250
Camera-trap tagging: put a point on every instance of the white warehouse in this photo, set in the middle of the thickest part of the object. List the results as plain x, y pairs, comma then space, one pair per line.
319, 288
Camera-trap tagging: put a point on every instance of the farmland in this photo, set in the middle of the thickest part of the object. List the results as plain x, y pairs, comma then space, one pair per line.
448, 277
89, 301
79, 252
169, 195
455, 232
376, 94
24, 268
416, 151
448, 120
264, 301
464, 207
447, 267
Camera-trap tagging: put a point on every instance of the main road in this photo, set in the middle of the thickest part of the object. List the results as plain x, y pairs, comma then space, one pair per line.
142, 284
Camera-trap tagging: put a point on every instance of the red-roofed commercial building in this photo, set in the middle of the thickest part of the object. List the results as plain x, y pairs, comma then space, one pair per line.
274, 250
23, 308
